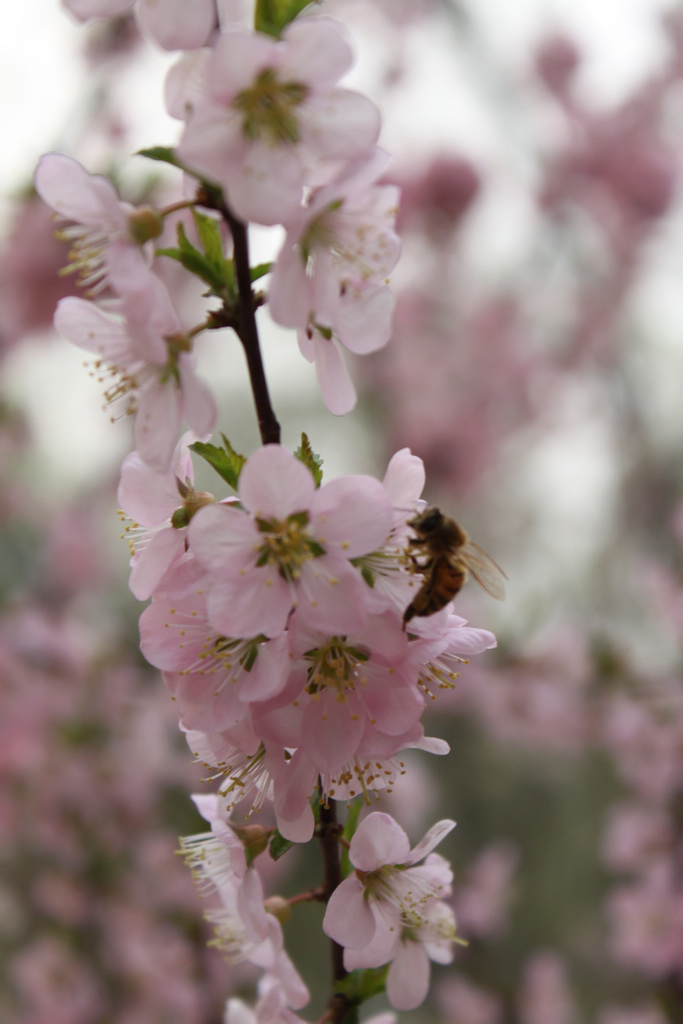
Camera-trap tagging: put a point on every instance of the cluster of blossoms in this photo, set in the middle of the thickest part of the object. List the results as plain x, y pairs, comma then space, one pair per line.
276, 620
276, 614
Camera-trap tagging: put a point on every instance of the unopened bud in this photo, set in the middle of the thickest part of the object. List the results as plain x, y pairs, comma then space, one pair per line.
145, 223
254, 839
279, 908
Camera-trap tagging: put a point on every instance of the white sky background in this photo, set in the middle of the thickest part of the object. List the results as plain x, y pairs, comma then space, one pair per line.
438, 105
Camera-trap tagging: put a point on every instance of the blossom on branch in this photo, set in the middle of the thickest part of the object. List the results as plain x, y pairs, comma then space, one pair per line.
173, 24
391, 910
289, 546
271, 118
142, 348
100, 217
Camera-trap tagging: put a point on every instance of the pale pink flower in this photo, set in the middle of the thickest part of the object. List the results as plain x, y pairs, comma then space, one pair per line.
149, 498
245, 930
482, 901
273, 119
329, 280
289, 546
545, 995
100, 216
391, 911
173, 24
142, 347
356, 699
213, 678
271, 1007
459, 1000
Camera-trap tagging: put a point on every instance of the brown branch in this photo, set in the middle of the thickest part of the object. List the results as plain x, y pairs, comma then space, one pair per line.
328, 833
245, 325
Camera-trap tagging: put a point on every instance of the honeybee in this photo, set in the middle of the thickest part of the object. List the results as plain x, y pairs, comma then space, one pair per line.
450, 557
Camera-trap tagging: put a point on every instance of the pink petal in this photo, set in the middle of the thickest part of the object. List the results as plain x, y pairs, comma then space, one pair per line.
340, 124
363, 318
288, 295
178, 24
317, 52
199, 404
222, 538
77, 195
267, 185
431, 840
204, 706
84, 324
332, 730
275, 484
150, 563
185, 84
85, 9
259, 602
157, 424
212, 141
269, 672
379, 840
145, 495
330, 595
336, 387
238, 58
392, 703
404, 479
351, 514
348, 919
408, 977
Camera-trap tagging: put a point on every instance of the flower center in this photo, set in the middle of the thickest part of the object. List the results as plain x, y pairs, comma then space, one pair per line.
287, 544
268, 108
336, 664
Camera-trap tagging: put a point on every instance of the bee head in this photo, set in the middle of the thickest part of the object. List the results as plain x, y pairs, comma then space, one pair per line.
428, 521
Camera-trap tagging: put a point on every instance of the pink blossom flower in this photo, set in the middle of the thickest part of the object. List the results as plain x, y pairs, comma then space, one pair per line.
273, 119
173, 24
289, 546
329, 280
143, 348
213, 678
100, 216
150, 498
391, 911
356, 699
545, 994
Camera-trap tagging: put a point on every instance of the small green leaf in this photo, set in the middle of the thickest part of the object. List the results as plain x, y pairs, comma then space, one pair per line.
272, 16
305, 454
226, 461
260, 270
278, 845
361, 985
164, 154
209, 232
197, 263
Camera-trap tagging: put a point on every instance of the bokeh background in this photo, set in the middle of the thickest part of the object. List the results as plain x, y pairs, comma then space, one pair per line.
536, 367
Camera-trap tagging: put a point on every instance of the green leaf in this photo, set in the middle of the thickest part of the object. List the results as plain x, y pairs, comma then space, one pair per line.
278, 845
164, 154
260, 271
305, 454
209, 232
361, 985
272, 16
226, 461
212, 267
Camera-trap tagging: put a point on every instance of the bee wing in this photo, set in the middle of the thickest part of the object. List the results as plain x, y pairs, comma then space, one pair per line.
485, 571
